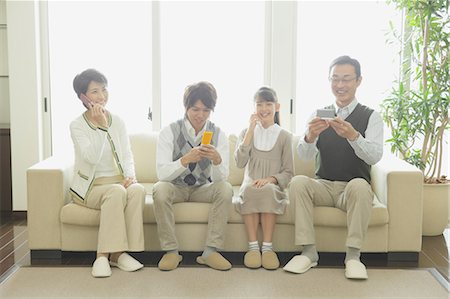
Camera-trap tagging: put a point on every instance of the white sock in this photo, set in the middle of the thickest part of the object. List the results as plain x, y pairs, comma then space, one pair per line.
266, 246
208, 250
310, 251
253, 246
352, 254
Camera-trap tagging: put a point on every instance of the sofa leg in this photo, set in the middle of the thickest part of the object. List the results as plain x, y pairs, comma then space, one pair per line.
45, 257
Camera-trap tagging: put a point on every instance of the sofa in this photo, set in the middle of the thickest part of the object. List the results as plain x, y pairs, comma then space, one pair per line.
56, 225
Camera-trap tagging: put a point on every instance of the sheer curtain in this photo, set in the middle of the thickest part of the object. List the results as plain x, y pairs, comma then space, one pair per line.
220, 42
111, 36
328, 29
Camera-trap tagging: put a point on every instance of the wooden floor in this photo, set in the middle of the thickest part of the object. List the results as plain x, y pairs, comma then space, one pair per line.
14, 251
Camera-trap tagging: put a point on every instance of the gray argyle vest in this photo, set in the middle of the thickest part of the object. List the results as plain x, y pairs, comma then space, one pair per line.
198, 173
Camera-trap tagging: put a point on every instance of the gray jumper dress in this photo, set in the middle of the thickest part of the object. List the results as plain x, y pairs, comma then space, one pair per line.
277, 162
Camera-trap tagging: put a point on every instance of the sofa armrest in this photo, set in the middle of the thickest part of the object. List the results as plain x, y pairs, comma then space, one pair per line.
47, 190
399, 185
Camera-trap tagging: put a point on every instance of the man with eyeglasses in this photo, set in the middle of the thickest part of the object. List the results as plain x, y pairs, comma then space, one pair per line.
344, 147
190, 170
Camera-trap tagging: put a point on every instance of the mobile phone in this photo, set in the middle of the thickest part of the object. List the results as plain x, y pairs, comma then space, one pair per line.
207, 136
326, 113
86, 101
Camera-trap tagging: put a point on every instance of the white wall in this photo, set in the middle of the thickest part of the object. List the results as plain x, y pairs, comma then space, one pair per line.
24, 91
4, 88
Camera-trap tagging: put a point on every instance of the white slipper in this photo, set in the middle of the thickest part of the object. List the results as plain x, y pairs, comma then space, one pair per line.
101, 267
354, 269
299, 264
127, 263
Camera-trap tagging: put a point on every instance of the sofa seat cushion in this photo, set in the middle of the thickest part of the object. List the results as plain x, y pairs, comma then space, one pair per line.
73, 213
196, 212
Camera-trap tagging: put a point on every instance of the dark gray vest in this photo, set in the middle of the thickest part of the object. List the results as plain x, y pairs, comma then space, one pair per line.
199, 173
336, 160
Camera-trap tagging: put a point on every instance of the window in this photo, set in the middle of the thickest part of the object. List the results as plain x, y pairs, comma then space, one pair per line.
327, 30
219, 42
113, 37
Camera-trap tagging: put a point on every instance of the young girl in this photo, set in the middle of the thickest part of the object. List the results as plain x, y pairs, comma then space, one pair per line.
265, 150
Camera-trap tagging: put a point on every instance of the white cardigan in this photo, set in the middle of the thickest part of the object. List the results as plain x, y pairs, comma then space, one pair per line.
89, 142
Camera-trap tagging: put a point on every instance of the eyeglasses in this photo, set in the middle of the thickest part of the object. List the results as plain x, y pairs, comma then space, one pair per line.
336, 80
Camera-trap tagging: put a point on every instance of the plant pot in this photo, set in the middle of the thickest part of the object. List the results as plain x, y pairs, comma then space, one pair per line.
436, 199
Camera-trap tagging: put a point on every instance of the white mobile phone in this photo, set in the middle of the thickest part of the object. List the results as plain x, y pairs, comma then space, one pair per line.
326, 113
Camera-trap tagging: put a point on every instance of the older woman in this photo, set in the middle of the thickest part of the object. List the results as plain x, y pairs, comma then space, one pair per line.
104, 177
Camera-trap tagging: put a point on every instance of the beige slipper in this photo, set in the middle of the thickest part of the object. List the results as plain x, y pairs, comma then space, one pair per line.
299, 264
270, 260
215, 260
252, 259
354, 269
127, 263
101, 267
169, 261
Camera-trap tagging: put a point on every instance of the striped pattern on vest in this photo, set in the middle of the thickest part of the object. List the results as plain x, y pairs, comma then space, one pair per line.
336, 160
199, 173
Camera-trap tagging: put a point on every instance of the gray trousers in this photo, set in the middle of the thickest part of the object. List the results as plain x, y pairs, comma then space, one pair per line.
355, 198
165, 194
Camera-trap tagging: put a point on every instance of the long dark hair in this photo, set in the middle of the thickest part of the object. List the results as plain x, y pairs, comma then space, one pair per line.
267, 94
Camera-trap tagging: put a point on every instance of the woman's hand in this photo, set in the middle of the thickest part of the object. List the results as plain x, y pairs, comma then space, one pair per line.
98, 115
259, 183
127, 182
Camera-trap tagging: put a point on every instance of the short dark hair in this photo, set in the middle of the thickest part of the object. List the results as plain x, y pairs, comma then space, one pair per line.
82, 80
267, 94
203, 91
347, 60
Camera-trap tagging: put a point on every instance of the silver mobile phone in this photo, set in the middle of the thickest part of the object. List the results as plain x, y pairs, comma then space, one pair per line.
326, 113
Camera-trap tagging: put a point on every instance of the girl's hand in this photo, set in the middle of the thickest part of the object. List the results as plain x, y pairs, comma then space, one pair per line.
254, 118
127, 182
259, 183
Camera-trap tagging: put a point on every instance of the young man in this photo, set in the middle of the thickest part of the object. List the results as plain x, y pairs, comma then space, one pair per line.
191, 171
345, 147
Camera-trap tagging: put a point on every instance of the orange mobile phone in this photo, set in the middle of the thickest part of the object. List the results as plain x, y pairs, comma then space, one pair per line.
207, 136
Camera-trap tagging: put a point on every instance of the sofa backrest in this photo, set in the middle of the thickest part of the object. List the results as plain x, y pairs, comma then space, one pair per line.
144, 152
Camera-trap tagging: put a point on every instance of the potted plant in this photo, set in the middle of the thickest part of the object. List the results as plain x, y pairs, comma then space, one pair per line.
417, 109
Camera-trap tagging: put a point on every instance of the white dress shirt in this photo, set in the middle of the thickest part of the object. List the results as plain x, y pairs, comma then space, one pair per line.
168, 170
368, 148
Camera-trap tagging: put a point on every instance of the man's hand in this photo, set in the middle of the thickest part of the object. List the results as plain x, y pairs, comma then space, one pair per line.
315, 127
203, 151
344, 128
193, 156
209, 151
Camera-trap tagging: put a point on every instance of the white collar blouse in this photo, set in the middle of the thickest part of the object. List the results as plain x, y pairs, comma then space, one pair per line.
265, 139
